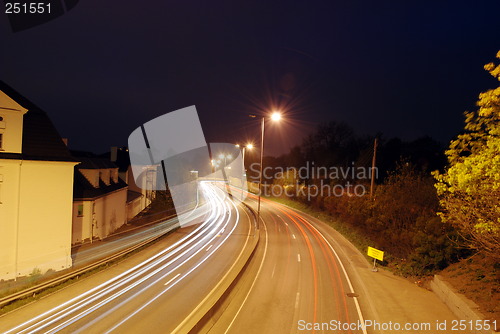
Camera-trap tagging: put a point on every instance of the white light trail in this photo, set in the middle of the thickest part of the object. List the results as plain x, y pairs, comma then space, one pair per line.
204, 234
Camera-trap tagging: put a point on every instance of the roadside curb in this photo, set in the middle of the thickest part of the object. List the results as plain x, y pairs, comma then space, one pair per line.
201, 315
461, 306
210, 317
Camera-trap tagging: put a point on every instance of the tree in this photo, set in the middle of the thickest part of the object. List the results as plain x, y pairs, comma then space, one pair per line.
469, 190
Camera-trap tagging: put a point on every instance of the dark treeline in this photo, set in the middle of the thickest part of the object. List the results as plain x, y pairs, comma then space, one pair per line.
401, 216
336, 144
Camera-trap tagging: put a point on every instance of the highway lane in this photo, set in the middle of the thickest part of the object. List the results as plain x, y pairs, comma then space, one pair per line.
294, 282
158, 292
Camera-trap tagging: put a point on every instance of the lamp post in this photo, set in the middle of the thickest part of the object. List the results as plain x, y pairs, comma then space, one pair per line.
243, 149
276, 116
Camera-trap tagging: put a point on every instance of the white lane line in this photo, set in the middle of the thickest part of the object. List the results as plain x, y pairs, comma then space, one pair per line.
297, 298
356, 303
130, 286
254, 280
203, 302
298, 257
187, 273
114, 283
293, 236
285, 223
172, 279
209, 248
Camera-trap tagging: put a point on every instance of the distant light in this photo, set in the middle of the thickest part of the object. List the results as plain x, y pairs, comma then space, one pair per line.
276, 116
221, 156
250, 146
229, 156
237, 145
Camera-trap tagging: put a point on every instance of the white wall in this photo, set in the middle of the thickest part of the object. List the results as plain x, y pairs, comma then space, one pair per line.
134, 207
36, 217
12, 124
110, 213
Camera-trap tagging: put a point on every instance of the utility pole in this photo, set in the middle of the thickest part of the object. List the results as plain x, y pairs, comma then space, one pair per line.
373, 167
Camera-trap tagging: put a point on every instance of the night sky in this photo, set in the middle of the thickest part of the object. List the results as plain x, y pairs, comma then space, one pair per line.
403, 68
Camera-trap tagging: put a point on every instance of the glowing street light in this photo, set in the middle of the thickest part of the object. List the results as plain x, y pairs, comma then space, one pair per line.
243, 148
224, 157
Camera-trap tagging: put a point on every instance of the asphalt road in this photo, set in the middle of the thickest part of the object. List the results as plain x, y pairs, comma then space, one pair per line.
153, 291
295, 283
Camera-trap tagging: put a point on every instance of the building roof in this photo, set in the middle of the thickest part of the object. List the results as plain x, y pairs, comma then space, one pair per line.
41, 141
84, 190
122, 158
133, 195
91, 161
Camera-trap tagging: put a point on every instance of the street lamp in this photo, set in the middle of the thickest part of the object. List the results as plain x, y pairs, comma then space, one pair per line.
276, 116
225, 157
243, 148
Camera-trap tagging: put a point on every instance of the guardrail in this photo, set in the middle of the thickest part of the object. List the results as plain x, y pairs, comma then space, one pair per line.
77, 272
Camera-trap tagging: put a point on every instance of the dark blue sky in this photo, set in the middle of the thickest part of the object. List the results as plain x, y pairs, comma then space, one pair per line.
404, 68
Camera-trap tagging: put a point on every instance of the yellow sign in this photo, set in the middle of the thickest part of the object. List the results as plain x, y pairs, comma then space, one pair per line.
375, 253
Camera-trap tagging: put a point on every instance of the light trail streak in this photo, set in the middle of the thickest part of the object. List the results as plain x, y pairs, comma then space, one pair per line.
156, 281
196, 238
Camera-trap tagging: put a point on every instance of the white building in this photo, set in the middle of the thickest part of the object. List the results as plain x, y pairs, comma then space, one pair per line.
36, 187
140, 195
100, 199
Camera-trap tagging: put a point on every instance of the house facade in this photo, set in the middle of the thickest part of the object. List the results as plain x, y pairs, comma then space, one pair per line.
140, 195
36, 187
99, 199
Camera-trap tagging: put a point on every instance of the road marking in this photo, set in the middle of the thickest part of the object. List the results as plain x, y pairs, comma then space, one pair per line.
358, 308
293, 236
272, 274
172, 279
285, 223
254, 280
297, 300
209, 248
108, 287
298, 257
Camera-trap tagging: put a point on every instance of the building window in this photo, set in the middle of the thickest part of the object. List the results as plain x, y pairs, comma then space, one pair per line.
80, 210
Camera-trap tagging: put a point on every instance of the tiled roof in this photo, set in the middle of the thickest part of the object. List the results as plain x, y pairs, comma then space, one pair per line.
41, 141
83, 189
132, 195
91, 161
122, 158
